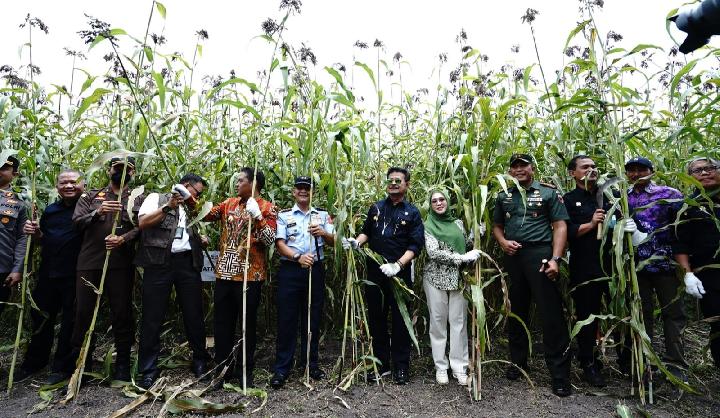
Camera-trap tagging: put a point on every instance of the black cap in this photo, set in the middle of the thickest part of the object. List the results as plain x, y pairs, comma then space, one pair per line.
640, 161
303, 180
526, 158
129, 161
12, 162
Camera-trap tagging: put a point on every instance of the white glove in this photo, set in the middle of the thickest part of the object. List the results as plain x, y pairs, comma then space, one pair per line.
693, 285
390, 269
253, 209
481, 228
348, 243
637, 235
470, 256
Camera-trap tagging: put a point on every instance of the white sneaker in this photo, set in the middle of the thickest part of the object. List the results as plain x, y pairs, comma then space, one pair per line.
441, 376
462, 378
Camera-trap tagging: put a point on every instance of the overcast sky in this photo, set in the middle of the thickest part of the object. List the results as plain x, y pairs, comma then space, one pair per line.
418, 29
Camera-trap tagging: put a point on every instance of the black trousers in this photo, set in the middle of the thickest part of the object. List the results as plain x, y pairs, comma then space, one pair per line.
4, 291
527, 281
587, 297
292, 305
157, 285
710, 305
380, 301
118, 291
666, 286
228, 307
52, 296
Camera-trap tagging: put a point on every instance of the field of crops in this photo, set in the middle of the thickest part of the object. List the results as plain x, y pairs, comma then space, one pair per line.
609, 100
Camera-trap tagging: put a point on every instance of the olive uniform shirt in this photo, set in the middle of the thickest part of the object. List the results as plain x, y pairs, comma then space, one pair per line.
95, 228
12, 238
529, 221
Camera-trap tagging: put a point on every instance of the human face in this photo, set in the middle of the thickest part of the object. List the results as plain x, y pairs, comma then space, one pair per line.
396, 184
116, 174
301, 193
196, 190
638, 174
7, 176
70, 186
244, 186
523, 172
706, 173
585, 172
438, 203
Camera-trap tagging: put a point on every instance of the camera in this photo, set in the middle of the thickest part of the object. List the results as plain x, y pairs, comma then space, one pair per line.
700, 22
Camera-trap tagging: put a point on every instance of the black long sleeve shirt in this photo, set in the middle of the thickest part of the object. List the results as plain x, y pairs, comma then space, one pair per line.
698, 233
394, 229
585, 255
60, 241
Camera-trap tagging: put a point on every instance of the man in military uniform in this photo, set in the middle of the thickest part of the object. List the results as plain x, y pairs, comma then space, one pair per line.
529, 225
55, 291
94, 217
171, 255
236, 215
302, 233
12, 239
393, 228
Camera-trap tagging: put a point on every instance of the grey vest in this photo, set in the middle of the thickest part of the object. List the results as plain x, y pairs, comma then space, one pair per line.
156, 242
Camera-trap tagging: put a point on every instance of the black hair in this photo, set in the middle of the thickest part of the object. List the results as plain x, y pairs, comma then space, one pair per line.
399, 170
70, 170
259, 177
193, 178
572, 165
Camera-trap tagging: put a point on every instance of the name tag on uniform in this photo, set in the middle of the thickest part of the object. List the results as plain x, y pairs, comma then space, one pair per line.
179, 232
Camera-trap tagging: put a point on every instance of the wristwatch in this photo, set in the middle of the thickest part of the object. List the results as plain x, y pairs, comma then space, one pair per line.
296, 257
166, 209
556, 259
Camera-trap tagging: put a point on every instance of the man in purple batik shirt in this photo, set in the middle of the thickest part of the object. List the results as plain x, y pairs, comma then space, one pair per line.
654, 211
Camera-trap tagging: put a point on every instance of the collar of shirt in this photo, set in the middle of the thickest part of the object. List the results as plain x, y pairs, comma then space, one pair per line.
389, 201
650, 188
296, 209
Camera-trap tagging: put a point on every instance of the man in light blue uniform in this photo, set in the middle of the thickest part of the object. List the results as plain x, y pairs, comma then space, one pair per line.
302, 232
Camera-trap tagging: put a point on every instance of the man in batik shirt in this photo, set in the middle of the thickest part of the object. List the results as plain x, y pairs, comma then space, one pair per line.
236, 215
654, 208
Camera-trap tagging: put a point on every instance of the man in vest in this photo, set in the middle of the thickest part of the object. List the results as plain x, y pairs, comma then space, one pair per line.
171, 255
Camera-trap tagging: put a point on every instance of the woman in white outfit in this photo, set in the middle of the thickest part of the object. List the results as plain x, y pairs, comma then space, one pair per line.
445, 243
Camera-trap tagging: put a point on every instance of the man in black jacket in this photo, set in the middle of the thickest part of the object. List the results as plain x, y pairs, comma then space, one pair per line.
55, 290
171, 254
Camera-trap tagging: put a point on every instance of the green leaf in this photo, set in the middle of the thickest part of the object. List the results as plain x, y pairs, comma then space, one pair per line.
675, 80
575, 31
86, 102
161, 9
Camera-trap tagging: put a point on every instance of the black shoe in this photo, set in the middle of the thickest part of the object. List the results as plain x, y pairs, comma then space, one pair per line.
592, 375
561, 387
401, 377
22, 374
317, 373
146, 382
56, 377
199, 368
122, 372
514, 372
278, 380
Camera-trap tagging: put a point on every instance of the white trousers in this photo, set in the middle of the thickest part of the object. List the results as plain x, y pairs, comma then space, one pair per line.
447, 307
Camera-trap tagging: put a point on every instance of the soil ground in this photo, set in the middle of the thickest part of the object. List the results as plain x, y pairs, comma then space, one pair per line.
422, 397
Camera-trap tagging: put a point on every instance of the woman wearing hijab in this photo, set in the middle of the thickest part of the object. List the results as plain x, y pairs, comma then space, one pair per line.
445, 243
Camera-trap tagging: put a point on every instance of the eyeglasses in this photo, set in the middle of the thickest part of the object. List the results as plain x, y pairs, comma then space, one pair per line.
197, 193
437, 200
708, 169
394, 180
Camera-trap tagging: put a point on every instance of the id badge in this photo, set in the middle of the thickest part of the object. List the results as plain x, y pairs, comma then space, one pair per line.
179, 231
315, 219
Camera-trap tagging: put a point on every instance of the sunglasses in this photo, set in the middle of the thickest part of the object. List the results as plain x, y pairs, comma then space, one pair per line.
197, 193
708, 169
302, 186
394, 181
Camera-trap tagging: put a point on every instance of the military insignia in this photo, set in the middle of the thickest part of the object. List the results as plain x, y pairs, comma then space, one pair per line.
534, 215
375, 218
536, 192
406, 214
11, 201
507, 215
101, 194
5, 220
578, 203
9, 194
291, 238
84, 195
402, 222
8, 212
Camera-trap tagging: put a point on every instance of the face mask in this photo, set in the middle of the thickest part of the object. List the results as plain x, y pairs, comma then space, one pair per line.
117, 178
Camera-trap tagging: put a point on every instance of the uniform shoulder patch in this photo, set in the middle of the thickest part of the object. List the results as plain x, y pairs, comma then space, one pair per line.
321, 209
552, 186
285, 210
